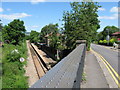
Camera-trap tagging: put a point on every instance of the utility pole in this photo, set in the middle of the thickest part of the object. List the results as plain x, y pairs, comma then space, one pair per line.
108, 37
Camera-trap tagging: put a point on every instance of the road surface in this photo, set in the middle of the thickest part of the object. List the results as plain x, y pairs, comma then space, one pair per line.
109, 55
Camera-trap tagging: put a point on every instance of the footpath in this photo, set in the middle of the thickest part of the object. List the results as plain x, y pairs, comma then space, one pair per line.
93, 73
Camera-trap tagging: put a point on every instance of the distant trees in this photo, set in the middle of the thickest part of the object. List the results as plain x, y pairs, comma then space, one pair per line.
34, 36
51, 31
1, 31
51, 35
81, 23
48, 29
14, 31
1, 25
112, 29
102, 36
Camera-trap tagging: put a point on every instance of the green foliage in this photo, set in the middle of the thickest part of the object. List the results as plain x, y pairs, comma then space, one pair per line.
100, 41
13, 71
105, 42
27, 37
112, 41
34, 36
51, 32
99, 36
61, 47
0, 36
84, 77
48, 29
81, 23
102, 35
12, 57
14, 31
1, 26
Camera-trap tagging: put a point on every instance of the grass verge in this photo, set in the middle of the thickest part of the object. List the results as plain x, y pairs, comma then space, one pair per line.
13, 71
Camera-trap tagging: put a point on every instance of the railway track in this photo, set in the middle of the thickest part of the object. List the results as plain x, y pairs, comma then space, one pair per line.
40, 66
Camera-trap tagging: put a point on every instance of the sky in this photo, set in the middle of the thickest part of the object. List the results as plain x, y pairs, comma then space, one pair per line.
38, 14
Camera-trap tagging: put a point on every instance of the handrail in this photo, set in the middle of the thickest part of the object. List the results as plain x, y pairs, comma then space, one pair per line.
67, 73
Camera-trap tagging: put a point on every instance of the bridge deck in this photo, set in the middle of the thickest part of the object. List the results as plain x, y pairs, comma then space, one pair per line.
67, 73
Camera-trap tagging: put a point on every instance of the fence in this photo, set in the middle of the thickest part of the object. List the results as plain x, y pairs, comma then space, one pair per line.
52, 52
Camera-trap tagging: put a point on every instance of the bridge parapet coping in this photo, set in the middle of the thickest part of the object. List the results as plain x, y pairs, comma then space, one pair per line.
78, 42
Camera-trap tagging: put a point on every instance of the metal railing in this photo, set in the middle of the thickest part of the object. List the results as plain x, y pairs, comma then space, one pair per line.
67, 73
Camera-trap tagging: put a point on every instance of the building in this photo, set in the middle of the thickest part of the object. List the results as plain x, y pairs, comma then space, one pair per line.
47, 40
117, 35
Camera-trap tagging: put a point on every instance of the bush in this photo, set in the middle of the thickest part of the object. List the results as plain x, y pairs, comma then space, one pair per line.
105, 42
100, 42
13, 71
112, 41
12, 57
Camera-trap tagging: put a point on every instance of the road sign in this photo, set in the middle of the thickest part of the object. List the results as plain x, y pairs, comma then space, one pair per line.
22, 59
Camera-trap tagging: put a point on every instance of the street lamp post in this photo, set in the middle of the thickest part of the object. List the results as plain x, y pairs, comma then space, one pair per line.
108, 37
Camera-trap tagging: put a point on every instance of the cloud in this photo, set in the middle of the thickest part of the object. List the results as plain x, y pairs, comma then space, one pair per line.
115, 9
1, 10
37, 1
14, 16
34, 26
101, 9
114, 16
8, 9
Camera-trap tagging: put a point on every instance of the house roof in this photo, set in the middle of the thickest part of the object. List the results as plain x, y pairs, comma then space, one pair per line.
58, 34
116, 33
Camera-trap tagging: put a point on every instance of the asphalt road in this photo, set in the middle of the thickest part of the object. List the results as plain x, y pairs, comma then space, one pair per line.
110, 55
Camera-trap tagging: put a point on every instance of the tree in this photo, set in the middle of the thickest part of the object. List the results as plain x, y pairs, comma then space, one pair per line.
34, 36
48, 29
81, 23
52, 31
1, 26
112, 29
99, 36
14, 31
69, 28
1, 31
53, 34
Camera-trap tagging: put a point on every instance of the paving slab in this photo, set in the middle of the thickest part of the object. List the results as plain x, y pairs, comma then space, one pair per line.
94, 74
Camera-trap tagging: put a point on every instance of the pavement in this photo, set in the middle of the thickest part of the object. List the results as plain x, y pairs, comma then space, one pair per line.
93, 73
